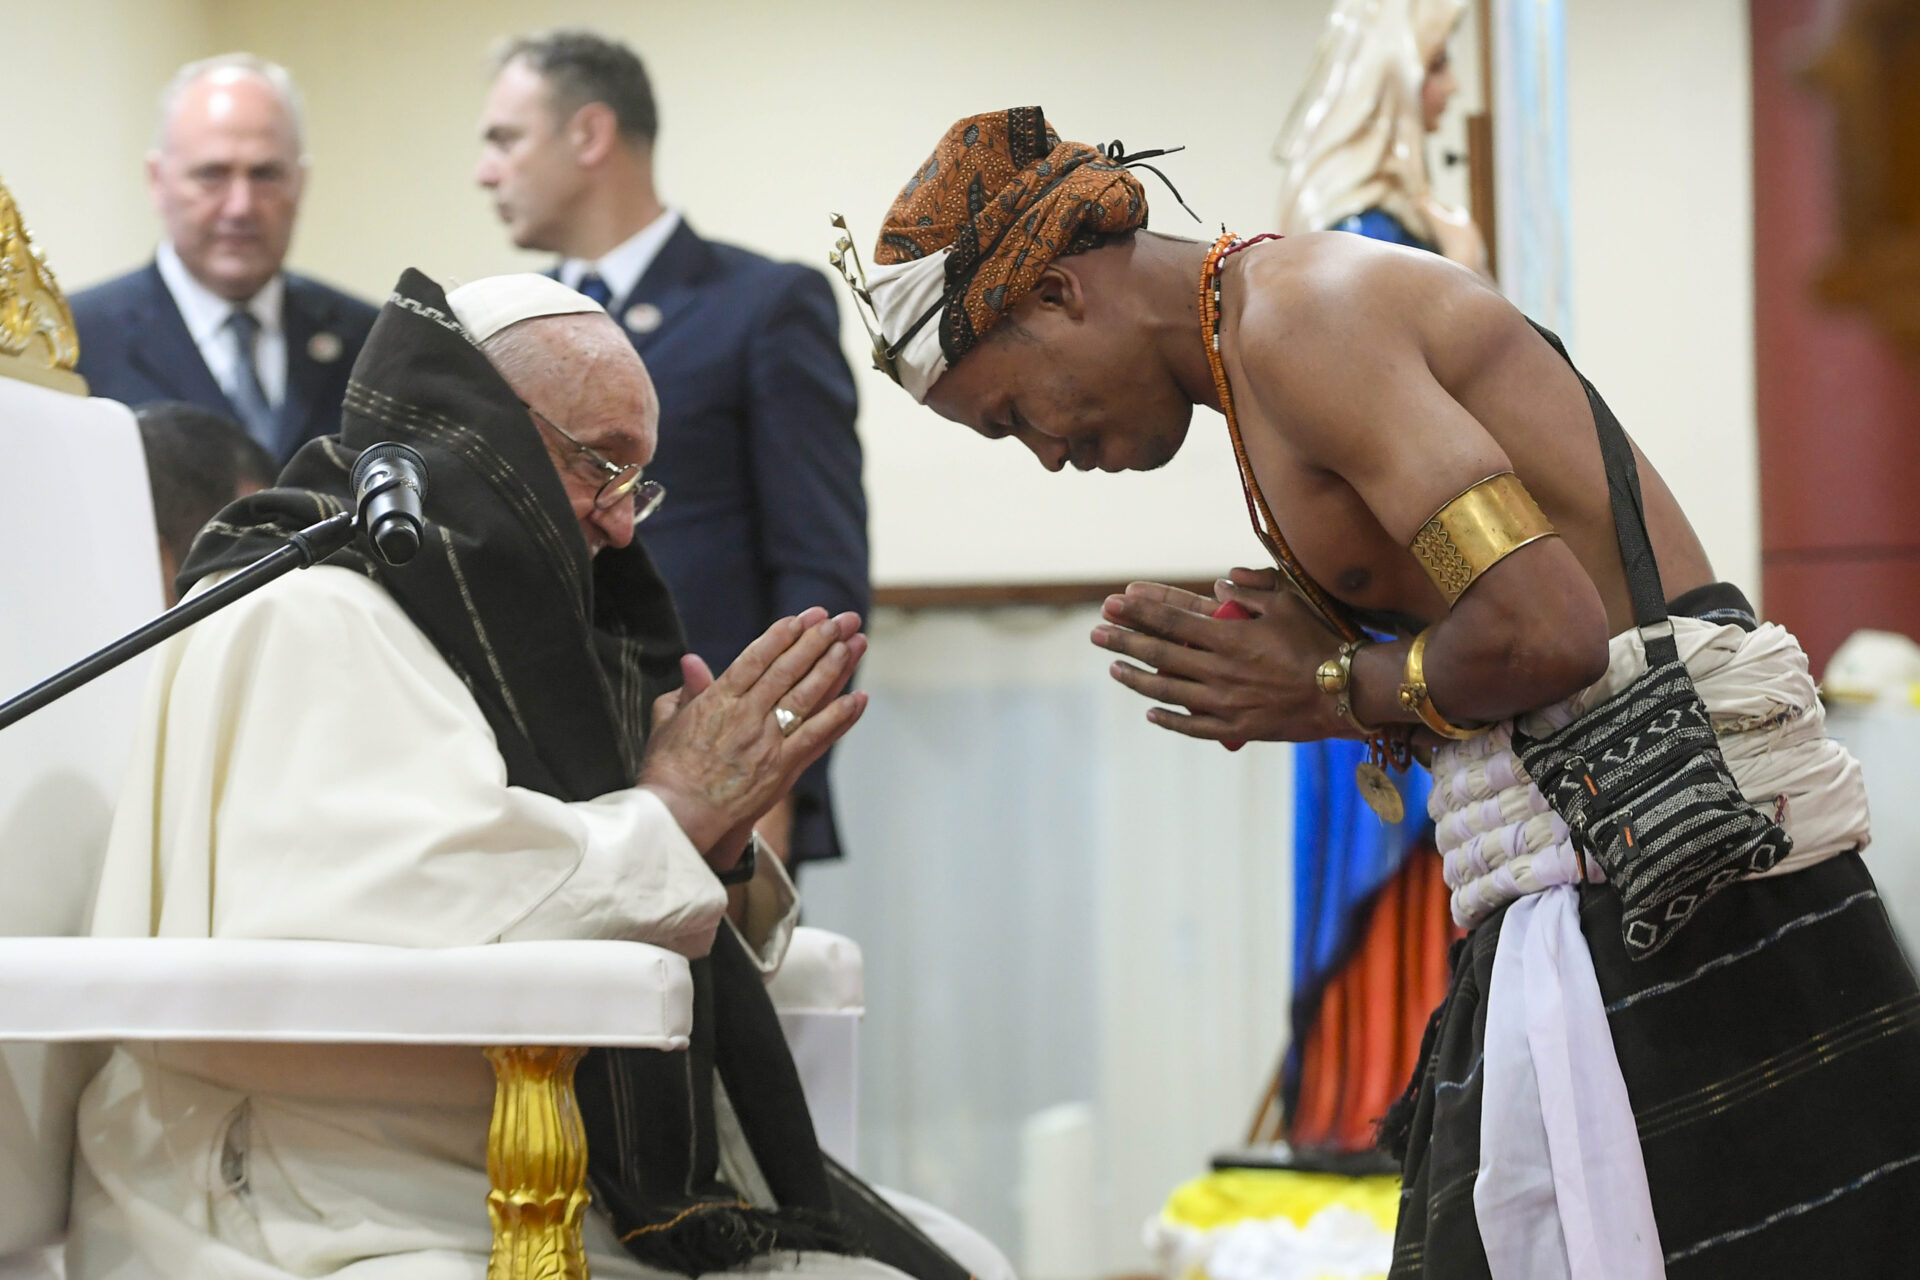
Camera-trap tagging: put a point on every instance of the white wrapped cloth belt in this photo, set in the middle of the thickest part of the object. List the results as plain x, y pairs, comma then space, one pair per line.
1562, 1189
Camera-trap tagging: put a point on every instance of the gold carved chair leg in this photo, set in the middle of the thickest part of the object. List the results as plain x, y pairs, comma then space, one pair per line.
537, 1163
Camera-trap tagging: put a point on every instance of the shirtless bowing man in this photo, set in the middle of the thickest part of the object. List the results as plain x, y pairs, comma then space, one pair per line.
1729, 1050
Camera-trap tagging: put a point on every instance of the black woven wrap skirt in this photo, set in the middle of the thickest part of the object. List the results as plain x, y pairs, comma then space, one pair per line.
1772, 1056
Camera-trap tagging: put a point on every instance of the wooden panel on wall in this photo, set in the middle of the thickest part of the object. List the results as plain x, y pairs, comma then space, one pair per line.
1838, 408
1870, 69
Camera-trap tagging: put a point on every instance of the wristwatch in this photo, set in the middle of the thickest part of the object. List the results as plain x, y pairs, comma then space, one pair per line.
742, 871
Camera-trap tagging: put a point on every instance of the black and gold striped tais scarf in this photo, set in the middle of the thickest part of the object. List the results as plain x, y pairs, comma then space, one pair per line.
565, 653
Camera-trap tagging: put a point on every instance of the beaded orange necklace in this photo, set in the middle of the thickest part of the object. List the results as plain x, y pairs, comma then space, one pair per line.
1376, 788
1330, 610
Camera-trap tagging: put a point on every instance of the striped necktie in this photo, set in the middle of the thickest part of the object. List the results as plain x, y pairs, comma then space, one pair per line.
246, 393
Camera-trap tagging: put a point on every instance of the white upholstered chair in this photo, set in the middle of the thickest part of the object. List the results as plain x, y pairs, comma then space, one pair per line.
78, 568
821, 997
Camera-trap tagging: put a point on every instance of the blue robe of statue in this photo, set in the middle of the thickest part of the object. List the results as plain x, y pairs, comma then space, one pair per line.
1378, 224
1343, 853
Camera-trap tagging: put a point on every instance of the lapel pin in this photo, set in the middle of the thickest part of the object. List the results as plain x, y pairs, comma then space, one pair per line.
324, 347
643, 317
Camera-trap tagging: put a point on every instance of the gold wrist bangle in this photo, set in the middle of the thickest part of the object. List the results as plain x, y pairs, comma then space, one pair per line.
1415, 697
1335, 676
1477, 530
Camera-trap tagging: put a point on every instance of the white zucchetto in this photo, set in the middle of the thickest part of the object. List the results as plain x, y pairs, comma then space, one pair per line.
485, 307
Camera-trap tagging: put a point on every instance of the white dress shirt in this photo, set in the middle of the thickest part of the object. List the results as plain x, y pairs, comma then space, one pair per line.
622, 266
206, 315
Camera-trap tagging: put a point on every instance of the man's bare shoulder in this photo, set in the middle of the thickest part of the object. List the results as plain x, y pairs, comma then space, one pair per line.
1313, 295
1354, 353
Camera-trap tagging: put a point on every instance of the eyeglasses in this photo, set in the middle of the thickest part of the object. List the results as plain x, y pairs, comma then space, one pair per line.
217, 179
621, 481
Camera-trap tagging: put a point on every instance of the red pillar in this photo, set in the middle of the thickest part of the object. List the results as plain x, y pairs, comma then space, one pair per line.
1839, 409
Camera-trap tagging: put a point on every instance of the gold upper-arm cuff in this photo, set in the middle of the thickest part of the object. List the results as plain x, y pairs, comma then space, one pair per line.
1475, 531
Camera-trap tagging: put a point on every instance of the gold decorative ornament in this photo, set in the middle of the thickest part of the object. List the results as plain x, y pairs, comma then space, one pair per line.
1415, 697
38, 343
1475, 531
537, 1163
1335, 677
1370, 776
846, 260
1377, 789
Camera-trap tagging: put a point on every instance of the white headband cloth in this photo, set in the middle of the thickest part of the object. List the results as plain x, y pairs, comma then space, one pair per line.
902, 293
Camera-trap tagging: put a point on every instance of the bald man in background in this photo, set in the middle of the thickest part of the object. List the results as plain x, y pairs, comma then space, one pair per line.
214, 320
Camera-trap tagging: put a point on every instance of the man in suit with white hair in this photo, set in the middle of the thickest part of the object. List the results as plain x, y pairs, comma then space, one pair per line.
215, 320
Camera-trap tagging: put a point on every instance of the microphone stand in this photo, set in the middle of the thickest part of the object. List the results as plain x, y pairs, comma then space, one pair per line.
303, 550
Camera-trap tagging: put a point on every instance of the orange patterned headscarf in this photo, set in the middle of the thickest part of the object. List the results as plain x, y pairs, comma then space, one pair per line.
1003, 197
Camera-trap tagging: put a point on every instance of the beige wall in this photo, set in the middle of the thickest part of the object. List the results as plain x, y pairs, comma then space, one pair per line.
774, 114
82, 78
1662, 178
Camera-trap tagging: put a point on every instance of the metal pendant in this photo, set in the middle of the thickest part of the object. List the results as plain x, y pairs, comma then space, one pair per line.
1377, 789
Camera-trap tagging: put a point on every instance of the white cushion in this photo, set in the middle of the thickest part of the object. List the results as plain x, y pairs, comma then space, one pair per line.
82, 569
823, 973
627, 994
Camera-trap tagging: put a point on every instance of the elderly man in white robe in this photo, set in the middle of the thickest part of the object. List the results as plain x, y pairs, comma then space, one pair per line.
484, 745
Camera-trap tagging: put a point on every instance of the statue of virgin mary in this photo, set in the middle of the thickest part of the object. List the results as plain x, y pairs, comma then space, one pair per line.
1353, 150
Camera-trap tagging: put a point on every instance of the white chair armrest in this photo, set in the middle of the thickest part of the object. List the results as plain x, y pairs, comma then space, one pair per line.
822, 973
625, 994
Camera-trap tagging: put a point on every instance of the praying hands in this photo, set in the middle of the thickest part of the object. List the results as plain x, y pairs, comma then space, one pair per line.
1231, 679
725, 750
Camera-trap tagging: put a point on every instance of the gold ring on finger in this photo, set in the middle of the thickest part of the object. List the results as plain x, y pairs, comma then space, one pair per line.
789, 721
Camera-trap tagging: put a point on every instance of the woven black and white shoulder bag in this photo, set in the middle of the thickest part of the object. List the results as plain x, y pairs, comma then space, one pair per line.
1640, 779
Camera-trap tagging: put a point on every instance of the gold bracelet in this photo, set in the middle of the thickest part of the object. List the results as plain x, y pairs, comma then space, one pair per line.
1477, 530
1335, 676
1415, 697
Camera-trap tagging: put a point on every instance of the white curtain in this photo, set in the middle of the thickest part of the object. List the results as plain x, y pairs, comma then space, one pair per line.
1059, 902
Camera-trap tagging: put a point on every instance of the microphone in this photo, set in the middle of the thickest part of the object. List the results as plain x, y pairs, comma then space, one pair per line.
389, 481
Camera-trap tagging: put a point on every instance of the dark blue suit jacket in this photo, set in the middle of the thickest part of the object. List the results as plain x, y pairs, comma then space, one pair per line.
765, 515
134, 347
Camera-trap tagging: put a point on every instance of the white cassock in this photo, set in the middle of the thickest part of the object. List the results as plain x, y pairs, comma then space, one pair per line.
308, 766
